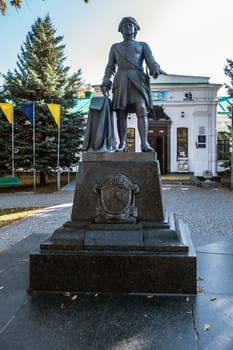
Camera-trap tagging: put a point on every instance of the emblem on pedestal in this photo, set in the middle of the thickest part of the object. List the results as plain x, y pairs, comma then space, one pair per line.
116, 199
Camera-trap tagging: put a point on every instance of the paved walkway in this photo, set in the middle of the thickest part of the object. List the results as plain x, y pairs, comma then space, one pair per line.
208, 212
120, 322
57, 211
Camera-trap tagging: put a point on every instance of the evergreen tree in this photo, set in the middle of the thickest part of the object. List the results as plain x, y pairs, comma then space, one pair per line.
41, 78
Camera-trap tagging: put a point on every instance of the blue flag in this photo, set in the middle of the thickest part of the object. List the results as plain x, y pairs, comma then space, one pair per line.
28, 109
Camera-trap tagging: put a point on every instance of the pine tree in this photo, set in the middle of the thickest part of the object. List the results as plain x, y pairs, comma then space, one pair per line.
41, 78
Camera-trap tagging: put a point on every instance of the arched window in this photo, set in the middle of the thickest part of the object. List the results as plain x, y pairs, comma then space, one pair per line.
182, 143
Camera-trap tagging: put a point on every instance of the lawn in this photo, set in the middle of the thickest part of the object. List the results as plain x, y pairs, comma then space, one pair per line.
10, 215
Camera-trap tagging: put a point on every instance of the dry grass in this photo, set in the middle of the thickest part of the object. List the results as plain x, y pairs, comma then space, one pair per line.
9, 216
175, 177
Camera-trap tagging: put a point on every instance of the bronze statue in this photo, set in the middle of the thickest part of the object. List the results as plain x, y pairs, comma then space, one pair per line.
131, 86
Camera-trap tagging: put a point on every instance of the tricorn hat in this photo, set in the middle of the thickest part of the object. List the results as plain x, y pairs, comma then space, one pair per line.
128, 19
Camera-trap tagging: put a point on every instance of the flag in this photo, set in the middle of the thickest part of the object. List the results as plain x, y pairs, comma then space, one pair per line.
55, 111
7, 109
28, 109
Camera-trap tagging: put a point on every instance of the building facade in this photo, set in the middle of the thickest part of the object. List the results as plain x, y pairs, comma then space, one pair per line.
182, 127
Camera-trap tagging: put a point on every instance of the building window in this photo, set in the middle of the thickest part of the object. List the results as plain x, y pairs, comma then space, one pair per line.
130, 140
223, 146
201, 141
182, 143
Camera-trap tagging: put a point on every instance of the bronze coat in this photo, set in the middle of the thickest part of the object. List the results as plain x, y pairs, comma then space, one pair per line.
130, 84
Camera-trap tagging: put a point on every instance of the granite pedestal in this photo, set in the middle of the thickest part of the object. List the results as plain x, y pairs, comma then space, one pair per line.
119, 239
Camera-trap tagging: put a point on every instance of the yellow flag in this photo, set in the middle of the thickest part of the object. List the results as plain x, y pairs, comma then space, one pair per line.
55, 111
7, 109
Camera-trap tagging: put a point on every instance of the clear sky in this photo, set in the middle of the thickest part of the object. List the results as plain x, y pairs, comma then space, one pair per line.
187, 37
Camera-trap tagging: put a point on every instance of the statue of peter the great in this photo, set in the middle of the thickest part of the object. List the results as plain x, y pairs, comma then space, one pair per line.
131, 87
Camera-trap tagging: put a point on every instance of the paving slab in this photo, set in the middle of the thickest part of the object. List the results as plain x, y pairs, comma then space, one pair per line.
119, 322
113, 321
212, 308
14, 277
214, 321
101, 322
105, 321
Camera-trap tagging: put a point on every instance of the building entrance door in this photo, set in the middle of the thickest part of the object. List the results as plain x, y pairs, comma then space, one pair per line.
159, 140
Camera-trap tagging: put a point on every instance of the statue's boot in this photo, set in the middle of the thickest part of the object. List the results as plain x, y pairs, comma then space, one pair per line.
121, 148
122, 132
143, 131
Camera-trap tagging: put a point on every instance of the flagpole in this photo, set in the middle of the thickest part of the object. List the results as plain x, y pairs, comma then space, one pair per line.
34, 149
58, 159
55, 111
12, 145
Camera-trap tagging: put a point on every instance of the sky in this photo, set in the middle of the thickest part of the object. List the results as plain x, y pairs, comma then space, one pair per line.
187, 37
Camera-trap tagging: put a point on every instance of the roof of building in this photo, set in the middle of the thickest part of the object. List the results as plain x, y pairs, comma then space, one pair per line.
82, 106
179, 79
224, 105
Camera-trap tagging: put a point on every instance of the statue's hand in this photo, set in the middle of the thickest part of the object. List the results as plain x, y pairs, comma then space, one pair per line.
104, 90
157, 73
105, 87
162, 72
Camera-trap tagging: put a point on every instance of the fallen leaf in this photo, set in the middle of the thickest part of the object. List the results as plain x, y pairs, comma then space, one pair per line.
145, 315
96, 295
206, 327
1, 287
199, 278
74, 297
150, 296
213, 298
200, 289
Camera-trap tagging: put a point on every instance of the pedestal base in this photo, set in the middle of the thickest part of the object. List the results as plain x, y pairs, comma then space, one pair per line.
109, 272
147, 263
118, 239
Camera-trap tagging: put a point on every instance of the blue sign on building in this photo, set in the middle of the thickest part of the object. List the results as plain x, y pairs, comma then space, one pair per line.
158, 95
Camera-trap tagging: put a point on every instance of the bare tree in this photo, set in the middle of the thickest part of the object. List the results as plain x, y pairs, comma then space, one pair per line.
16, 3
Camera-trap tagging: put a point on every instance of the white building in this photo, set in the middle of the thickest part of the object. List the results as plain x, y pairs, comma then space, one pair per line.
183, 129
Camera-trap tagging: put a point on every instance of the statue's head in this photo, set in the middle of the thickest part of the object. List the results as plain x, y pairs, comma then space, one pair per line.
125, 22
